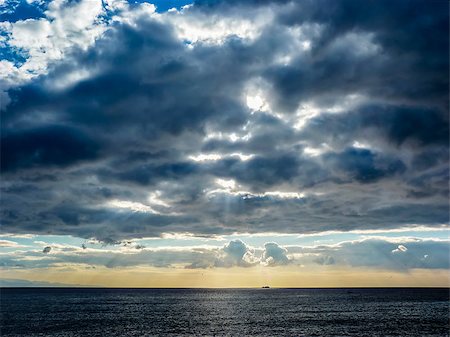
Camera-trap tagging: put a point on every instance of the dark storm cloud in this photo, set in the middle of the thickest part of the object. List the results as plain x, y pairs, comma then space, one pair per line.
412, 36
418, 127
259, 171
45, 146
364, 166
117, 153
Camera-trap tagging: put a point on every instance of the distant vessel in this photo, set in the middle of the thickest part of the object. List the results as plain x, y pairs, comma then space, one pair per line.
265, 287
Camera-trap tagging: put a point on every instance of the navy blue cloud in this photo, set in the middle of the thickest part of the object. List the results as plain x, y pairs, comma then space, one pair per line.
364, 165
45, 146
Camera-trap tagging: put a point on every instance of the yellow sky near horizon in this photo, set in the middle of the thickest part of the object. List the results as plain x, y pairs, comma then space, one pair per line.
287, 276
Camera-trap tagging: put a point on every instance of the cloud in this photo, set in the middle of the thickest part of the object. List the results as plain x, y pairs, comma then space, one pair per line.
325, 260
378, 123
383, 253
49, 146
10, 244
274, 255
350, 123
233, 254
363, 165
4, 282
237, 253
402, 254
425, 52
48, 38
400, 249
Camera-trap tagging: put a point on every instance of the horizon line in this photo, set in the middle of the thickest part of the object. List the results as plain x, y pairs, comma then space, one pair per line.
222, 288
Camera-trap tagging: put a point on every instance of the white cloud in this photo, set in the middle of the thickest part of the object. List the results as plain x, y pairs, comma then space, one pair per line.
228, 184
215, 156
400, 249
206, 157
66, 25
255, 102
200, 27
155, 199
10, 244
130, 205
69, 79
236, 253
373, 253
274, 255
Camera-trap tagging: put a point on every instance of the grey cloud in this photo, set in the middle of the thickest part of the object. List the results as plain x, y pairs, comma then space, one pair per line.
325, 260
152, 100
274, 255
236, 253
4, 282
236, 250
395, 124
414, 57
363, 165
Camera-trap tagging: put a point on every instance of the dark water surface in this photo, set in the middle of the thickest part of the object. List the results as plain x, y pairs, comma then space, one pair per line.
230, 312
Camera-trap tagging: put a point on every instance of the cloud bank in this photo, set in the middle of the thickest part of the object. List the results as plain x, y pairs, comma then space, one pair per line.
400, 254
225, 117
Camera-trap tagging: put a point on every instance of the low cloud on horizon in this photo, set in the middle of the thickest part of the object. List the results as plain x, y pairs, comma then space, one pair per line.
400, 254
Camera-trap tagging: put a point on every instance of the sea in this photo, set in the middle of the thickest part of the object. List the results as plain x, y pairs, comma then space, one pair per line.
103, 312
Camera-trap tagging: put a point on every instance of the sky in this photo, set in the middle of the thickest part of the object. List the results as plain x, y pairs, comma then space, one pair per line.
224, 143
